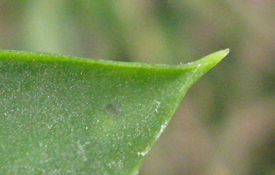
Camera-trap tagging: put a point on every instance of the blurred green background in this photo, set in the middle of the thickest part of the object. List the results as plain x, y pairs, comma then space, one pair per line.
226, 123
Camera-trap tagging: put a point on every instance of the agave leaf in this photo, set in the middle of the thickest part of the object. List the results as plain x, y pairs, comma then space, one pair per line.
66, 115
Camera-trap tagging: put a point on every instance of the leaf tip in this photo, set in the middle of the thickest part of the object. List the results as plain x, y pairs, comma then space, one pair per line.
206, 63
226, 51
223, 53
218, 56
212, 59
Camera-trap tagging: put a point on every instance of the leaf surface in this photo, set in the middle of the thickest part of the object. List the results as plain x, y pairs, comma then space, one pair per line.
67, 115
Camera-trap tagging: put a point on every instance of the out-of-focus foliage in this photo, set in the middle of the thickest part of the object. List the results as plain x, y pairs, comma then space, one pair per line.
226, 123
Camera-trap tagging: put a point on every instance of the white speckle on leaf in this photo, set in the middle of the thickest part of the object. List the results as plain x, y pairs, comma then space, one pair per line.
115, 164
161, 129
157, 106
82, 151
49, 126
143, 153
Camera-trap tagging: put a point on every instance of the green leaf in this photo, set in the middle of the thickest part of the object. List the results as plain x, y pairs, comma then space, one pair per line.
66, 115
